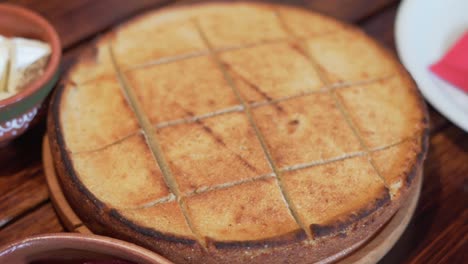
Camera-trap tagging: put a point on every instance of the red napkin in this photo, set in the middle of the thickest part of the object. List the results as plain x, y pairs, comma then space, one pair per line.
453, 67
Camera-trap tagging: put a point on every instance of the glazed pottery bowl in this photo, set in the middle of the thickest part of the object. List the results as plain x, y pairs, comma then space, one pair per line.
17, 112
76, 248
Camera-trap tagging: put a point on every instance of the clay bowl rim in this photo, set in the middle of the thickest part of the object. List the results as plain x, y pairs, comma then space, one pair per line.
101, 241
54, 60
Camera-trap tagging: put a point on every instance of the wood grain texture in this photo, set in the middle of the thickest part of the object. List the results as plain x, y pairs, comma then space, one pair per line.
40, 221
24, 193
442, 209
381, 26
22, 184
349, 10
438, 233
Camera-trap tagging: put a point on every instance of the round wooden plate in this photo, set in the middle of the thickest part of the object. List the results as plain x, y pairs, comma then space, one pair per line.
370, 251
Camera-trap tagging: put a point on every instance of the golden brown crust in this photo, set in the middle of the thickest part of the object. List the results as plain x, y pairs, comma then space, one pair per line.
332, 196
165, 96
213, 151
93, 62
349, 56
88, 114
263, 77
331, 233
369, 107
301, 134
97, 215
128, 169
235, 214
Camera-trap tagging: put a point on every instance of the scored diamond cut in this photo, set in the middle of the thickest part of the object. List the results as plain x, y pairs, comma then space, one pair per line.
213, 151
179, 90
305, 129
266, 137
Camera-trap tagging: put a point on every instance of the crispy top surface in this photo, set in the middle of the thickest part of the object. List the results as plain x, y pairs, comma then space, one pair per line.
280, 121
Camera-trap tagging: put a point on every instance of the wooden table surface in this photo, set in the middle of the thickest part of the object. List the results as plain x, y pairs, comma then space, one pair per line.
438, 232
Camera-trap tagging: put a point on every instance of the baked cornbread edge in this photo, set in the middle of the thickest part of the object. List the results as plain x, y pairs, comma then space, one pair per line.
291, 248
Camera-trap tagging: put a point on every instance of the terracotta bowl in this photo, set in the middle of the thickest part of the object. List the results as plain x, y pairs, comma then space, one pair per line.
17, 112
68, 248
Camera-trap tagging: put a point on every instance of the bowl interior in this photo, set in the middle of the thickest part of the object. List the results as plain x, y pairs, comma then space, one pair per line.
20, 22
14, 24
67, 256
75, 248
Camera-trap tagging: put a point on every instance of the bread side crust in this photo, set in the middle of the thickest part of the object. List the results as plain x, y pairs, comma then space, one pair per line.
95, 214
296, 249
293, 248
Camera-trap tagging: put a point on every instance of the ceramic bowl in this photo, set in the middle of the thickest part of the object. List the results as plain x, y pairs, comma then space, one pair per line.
17, 112
76, 248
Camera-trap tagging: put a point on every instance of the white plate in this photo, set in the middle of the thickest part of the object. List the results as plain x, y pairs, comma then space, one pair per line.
424, 31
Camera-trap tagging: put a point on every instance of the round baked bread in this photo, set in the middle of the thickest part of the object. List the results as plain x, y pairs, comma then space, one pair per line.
237, 133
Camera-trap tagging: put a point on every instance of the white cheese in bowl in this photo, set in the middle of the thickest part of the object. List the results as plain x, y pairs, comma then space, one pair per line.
28, 61
4, 61
21, 62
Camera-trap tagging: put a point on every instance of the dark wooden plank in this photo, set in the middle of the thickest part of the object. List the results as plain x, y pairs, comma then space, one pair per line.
381, 26
349, 10
22, 183
23, 194
40, 221
438, 121
447, 165
440, 218
78, 20
447, 244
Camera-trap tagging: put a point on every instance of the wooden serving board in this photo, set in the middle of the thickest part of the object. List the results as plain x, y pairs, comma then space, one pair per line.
364, 252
